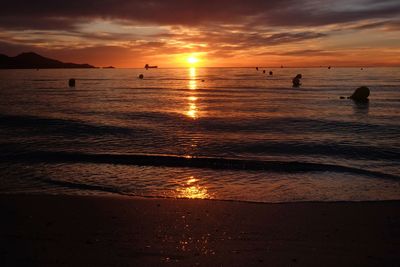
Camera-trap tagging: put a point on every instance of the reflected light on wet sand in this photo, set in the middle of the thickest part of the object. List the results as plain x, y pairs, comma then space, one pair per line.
191, 189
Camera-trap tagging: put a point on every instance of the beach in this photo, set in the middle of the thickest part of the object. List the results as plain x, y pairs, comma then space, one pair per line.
46, 230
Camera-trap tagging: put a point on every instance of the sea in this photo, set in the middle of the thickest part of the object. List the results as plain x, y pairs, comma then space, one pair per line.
209, 133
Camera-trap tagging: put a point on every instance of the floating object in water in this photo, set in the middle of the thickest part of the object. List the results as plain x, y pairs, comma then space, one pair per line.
263, 71
296, 80
342, 97
281, 66
203, 80
71, 82
361, 94
329, 67
141, 76
362, 68
271, 73
256, 68
147, 66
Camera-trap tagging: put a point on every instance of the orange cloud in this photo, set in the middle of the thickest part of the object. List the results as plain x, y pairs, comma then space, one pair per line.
223, 33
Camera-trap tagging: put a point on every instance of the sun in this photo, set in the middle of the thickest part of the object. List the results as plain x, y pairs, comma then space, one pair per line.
192, 60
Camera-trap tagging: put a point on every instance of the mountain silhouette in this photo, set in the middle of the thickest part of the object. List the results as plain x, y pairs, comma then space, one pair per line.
32, 60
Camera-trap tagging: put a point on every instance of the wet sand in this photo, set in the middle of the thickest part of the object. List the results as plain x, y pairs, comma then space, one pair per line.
49, 230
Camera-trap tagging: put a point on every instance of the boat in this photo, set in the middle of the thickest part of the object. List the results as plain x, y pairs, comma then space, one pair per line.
147, 66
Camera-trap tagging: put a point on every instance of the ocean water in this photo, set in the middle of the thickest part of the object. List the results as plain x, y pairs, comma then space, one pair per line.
220, 133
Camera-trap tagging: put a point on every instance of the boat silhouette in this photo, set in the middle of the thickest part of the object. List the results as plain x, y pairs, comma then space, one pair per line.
147, 66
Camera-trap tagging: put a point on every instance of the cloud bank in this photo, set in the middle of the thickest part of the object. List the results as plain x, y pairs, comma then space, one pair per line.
162, 29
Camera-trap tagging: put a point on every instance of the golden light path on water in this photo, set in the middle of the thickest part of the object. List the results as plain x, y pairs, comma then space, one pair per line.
192, 111
192, 189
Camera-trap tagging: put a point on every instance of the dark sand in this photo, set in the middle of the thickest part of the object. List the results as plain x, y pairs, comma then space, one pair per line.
112, 231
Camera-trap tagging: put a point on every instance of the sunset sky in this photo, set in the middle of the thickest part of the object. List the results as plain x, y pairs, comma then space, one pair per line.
216, 33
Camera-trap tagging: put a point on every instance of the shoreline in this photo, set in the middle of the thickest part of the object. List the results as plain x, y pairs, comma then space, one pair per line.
53, 230
127, 196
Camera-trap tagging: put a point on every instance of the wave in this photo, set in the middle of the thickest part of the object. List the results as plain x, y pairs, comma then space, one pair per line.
294, 123
64, 127
82, 186
78, 79
330, 149
49, 157
147, 127
46, 80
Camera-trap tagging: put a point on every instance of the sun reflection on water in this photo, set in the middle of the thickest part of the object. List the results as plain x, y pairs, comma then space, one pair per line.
192, 112
192, 79
192, 84
192, 189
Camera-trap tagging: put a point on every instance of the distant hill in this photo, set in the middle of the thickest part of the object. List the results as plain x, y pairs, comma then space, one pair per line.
34, 61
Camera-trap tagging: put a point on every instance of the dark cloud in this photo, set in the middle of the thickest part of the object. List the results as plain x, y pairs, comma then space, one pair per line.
23, 22
318, 14
45, 14
281, 38
225, 37
162, 12
304, 52
14, 49
387, 25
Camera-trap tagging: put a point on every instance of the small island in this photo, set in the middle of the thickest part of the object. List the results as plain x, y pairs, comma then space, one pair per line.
31, 60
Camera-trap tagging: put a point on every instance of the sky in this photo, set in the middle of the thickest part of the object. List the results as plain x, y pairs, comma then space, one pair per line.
223, 33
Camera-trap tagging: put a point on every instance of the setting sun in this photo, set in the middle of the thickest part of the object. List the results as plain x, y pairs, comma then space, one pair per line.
192, 60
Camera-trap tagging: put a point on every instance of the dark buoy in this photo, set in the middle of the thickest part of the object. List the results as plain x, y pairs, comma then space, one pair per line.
256, 68
329, 67
146, 66
361, 94
296, 80
362, 68
141, 76
203, 81
71, 82
263, 71
271, 73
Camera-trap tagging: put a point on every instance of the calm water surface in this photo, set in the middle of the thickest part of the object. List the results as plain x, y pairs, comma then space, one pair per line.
223, 133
